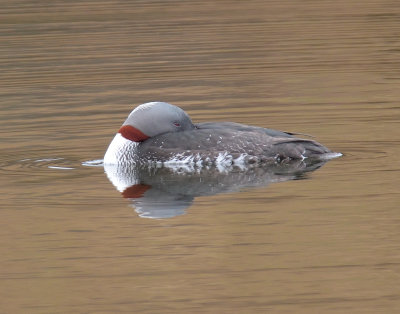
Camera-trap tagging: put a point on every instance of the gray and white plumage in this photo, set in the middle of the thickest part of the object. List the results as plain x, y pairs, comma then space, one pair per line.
160, 132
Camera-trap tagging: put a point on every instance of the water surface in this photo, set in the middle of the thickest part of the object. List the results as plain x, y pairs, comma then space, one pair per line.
327, 242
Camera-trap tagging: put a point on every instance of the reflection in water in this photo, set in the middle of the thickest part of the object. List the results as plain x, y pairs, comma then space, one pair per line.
165, 192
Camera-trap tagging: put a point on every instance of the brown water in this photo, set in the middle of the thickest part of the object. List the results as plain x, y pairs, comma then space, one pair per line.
71, 71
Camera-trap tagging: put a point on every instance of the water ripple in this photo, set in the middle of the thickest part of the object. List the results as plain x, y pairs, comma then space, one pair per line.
38, 164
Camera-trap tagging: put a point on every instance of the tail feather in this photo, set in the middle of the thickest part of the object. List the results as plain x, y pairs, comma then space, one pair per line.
302, 149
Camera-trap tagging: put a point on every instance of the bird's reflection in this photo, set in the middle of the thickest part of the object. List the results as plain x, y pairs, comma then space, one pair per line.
165, 192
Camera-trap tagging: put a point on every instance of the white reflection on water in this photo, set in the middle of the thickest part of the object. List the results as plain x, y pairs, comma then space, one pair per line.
165, 192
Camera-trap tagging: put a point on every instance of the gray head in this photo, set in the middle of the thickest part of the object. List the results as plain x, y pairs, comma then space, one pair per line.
155, 118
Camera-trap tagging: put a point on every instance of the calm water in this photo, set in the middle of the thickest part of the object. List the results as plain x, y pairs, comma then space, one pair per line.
72, 71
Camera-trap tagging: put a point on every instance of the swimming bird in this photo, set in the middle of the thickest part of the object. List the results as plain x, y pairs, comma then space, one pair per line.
158, 132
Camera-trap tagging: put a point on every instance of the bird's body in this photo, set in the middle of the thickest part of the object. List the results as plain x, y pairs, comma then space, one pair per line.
162, 133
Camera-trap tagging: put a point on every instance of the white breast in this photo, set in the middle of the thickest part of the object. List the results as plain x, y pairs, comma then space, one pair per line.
120, 150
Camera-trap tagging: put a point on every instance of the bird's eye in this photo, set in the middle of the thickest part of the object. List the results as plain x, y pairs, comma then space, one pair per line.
177, 124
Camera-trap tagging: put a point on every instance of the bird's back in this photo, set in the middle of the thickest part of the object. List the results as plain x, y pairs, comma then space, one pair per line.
211, 140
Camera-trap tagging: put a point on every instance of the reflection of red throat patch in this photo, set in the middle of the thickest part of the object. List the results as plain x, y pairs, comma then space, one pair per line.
132, 134
135, 191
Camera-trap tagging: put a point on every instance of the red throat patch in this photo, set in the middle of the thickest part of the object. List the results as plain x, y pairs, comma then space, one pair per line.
132, 134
